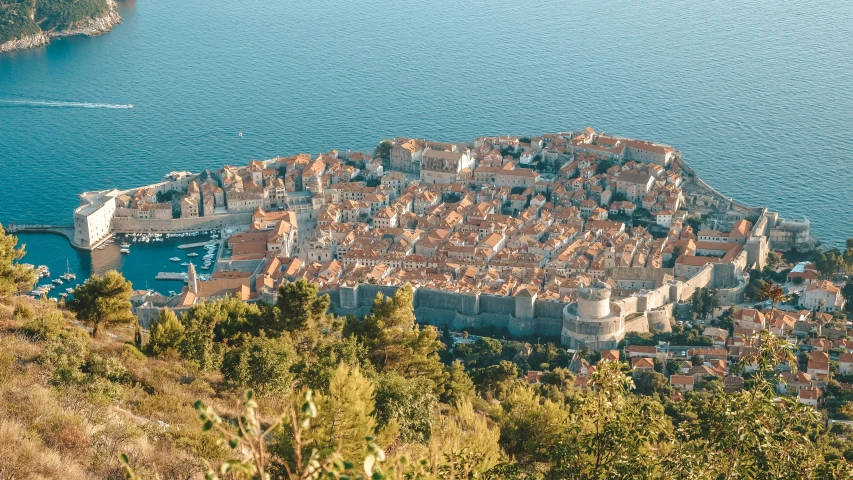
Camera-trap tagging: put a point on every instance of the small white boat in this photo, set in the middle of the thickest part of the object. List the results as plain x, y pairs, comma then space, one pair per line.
125, 250
69, 290
129, 105
175, 259
172, 293
205, 266
101, 247
57, 281
185, 264
125, 245
192, 254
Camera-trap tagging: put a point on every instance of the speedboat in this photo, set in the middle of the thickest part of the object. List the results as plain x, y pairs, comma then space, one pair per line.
129, 105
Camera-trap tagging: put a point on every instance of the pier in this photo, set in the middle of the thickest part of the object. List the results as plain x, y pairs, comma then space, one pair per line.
198, 244
171, 276
66, 231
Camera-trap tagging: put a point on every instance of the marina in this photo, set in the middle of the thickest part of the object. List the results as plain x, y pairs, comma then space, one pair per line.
139, 263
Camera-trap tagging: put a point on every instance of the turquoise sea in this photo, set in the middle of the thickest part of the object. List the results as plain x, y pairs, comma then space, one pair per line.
757, 95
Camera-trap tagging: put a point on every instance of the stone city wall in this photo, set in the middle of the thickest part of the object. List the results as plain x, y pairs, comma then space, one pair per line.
460, 310
701, 279
178, 225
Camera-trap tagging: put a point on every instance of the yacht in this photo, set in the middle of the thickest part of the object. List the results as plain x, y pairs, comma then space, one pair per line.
125, 245
68, 275
125, 250
175, 259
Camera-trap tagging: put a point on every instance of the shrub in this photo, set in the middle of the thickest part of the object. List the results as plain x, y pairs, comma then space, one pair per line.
47, 326
65, 355
108, 368
261, 363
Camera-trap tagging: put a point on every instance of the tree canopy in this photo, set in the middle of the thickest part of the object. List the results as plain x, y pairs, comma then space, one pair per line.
20, 18
14, 277
395, 341
102, 301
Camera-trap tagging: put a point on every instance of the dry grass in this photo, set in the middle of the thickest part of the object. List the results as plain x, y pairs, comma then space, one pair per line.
73, 431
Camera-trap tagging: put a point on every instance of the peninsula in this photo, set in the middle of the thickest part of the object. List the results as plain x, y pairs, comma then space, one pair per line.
31, 24
581, 236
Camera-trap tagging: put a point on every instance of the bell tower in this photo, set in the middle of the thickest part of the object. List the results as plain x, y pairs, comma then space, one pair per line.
192, 279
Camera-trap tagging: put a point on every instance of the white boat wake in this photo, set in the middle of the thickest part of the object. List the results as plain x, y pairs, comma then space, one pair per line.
58, 104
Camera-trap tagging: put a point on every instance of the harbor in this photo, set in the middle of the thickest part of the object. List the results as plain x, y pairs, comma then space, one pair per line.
141, 263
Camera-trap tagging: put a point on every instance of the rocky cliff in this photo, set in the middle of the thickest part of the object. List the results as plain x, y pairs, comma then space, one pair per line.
89, 27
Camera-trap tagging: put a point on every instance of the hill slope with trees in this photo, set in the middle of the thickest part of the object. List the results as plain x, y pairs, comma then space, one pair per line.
46, 18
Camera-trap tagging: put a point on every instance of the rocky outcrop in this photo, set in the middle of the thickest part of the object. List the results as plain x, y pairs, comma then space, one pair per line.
92, 26
89, 27
30, 41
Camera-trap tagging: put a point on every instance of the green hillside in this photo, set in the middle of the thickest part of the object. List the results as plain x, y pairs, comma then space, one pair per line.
18, 19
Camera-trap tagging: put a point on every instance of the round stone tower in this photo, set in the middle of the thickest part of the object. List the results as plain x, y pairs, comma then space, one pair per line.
593, 321
594, 300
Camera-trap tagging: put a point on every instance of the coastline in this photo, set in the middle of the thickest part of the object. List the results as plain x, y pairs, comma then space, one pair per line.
90, 27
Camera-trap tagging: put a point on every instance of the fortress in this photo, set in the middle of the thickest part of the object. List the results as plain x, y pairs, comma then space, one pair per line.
580, 236
597, 319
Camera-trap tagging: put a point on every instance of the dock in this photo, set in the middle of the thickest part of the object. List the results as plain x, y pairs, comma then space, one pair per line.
171, 276
198, 244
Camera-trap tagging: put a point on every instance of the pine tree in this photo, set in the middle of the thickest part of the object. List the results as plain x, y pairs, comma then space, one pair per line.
103, 301
262, 364
14, 278
347, 412
167, 332
464, 442
299, 307
396, 342
458, 385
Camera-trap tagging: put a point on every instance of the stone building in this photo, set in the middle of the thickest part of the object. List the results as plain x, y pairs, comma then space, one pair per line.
594, 321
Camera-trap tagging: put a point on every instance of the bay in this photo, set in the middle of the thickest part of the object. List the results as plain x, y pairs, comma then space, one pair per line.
756, 95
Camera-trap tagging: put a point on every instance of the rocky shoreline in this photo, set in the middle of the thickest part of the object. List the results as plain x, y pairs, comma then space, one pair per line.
89, 27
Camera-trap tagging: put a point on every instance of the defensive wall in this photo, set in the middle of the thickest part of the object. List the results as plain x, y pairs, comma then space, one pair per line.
525, 315
520, 315
178, 225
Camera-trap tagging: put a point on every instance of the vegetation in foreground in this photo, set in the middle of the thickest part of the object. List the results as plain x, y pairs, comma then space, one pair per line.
377, 398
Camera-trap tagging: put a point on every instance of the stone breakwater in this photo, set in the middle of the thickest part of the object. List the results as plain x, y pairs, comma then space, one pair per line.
89, 27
